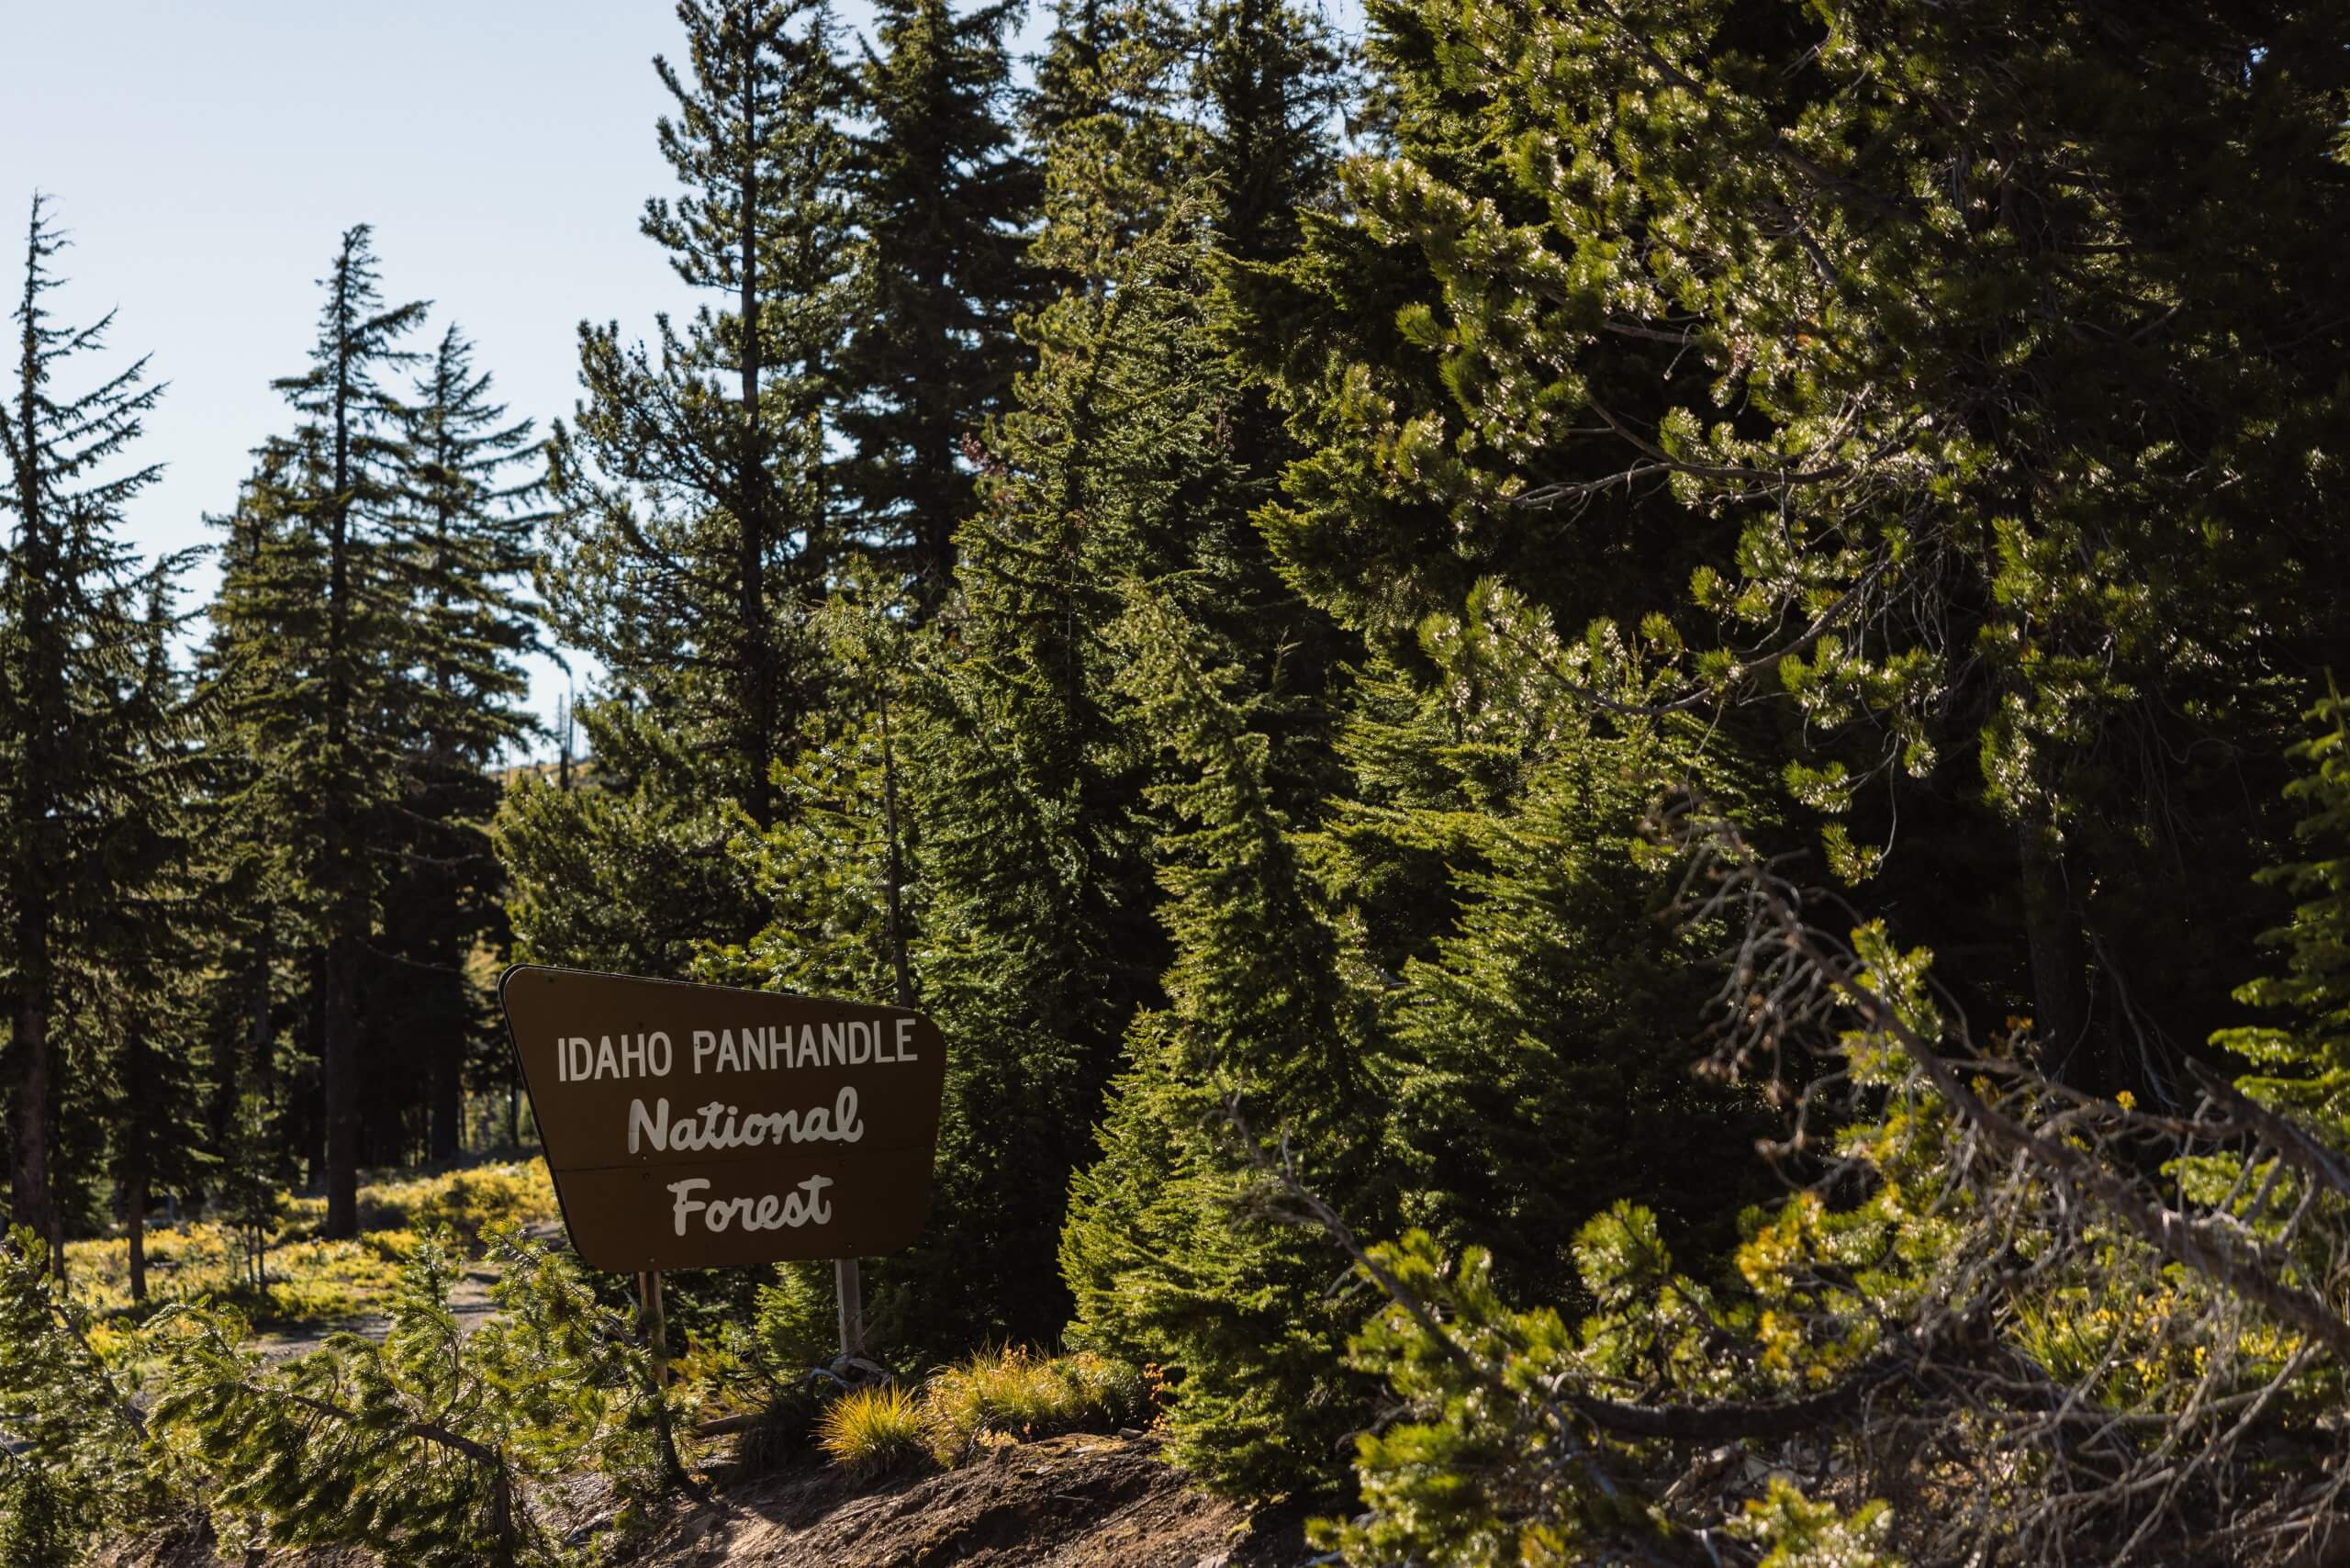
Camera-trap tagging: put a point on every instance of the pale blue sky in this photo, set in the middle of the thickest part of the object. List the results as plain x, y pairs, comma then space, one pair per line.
204, 159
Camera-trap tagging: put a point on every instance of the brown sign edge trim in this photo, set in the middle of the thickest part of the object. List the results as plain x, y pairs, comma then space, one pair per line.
538, 1128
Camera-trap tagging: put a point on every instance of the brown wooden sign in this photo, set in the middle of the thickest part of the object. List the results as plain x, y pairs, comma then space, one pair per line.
695, 1127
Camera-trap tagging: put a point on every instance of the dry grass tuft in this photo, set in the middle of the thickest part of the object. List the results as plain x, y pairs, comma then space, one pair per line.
1013, 1392
872, 1430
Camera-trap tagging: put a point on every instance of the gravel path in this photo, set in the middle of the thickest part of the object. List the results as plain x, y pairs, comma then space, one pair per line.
468, 1300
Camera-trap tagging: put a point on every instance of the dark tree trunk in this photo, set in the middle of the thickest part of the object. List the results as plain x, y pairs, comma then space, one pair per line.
31, 1201
337, 1070
134, 1225
750, 479
446, 1110
139, 1126
2059, 966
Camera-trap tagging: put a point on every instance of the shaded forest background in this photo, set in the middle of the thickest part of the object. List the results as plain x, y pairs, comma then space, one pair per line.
1584, 635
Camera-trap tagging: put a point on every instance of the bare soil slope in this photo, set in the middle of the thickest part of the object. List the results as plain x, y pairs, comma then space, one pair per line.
1070, 1501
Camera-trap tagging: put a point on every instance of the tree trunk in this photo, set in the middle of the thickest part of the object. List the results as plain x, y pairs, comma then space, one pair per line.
338, 1069
446, 1137
2059, 965
29, 1196
750, 476
134, 1225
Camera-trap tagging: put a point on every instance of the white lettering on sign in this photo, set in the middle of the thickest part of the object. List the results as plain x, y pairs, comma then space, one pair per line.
804, 1206
578, 1058
769, 1048
719, 1126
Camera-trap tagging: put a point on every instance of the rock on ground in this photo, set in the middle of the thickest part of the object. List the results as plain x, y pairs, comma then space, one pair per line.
1069, 1502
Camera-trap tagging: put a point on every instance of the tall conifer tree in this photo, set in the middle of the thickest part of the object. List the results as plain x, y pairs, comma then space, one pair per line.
697, 523
697, 520
251, 994
154, 946
72, 729
468, 479
318, 613
946, 198
1265, 1045
1037, 942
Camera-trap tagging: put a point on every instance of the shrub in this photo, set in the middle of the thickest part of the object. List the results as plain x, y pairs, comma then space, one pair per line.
432, 1446
76, 1457
793, 1326
726, 1378
34, 1529
873, 1430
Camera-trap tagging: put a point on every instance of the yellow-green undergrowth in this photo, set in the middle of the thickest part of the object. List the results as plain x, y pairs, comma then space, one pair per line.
310, 1279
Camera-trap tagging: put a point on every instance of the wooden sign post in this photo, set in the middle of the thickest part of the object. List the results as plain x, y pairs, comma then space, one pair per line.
696, 1127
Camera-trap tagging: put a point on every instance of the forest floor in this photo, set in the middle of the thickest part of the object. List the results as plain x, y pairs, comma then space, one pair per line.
316, 1287
1074, 1501
469, 1302
1068, 1501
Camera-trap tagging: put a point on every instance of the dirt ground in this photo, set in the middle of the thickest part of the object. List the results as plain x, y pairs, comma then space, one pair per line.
1069, 1501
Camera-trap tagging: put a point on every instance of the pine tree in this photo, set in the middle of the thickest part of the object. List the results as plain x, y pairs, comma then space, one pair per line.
1713, 323
1034, 941
1270, 82
1264, 1052
470, 537
75, 1455
315, 618
1554, 1036
72, 729
1273, 79
832, 875
253, 994
250, 1192
697, 523
434, 1445
144, 984
1113, 123
946, 198
1545, 1024
2305, 1062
